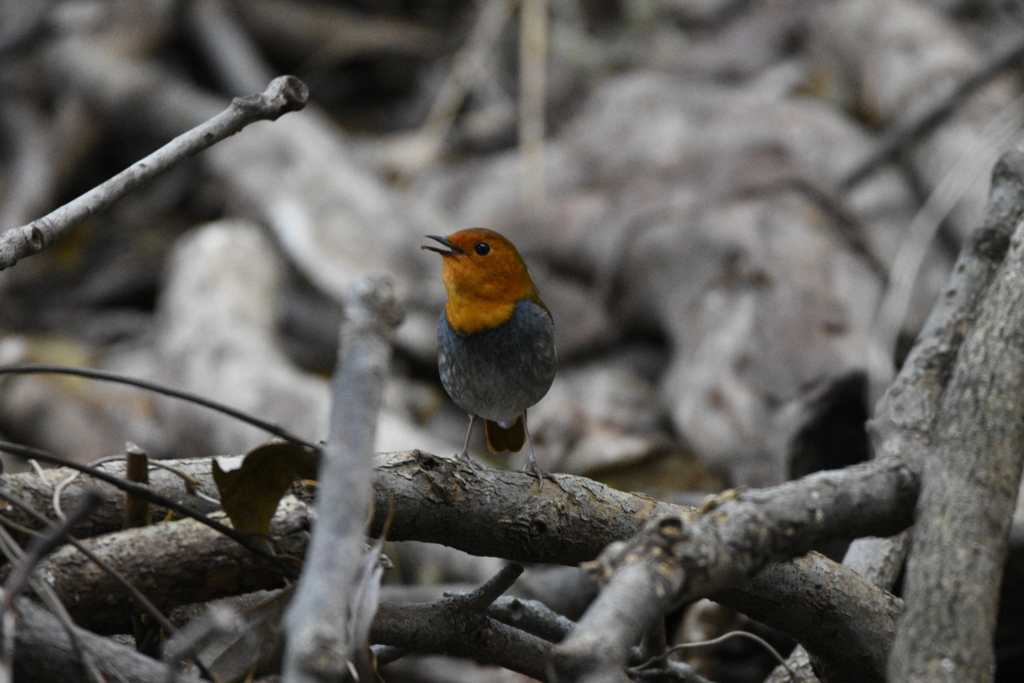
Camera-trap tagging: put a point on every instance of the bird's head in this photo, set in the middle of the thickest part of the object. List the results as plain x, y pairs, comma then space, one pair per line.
484, 276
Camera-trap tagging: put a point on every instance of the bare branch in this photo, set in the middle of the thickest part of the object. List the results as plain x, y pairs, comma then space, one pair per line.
454, 626
317, 619
486, 594
44, 652
284, 94
213, 567
967, 499
904, 416
140, 600
531, 616
675, 560
843, 620
146, 494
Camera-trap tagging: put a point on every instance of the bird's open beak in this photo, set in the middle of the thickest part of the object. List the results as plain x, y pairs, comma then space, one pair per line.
452, 250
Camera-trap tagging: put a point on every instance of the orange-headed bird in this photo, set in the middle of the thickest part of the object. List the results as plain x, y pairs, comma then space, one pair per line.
496, 338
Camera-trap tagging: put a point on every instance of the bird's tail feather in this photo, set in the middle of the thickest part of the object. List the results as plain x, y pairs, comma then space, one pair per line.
501, 439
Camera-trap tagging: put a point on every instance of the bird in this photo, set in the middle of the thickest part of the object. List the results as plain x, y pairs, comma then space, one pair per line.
496, 339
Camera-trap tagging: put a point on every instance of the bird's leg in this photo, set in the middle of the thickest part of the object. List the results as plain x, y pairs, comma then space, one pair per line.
532, 466
464, 455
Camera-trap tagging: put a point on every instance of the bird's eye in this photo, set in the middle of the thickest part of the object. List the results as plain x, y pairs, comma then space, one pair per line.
482, 248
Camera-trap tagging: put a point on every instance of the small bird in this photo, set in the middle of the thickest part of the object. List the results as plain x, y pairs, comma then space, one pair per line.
496, 338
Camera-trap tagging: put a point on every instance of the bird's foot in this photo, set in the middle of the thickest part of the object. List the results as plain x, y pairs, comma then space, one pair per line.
536, 470
465, 458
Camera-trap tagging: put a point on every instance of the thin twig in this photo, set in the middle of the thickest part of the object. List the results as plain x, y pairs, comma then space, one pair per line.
58, 490
533, 51
90, 373
901, 135
284, 94
38, 470
715, 641
191, 483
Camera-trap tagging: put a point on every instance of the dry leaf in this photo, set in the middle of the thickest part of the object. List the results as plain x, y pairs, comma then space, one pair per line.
252, 485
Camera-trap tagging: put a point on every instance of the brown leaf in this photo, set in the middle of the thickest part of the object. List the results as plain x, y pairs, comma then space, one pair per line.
252, 485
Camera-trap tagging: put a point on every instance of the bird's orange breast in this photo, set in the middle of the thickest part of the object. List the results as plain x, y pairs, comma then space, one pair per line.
469, 317
484, 297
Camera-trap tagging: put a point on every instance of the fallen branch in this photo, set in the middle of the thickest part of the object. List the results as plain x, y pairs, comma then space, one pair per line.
460, 625
902, 425
844, 621
151, 558
44, 653
145, 493
141, 601
675, 560
41, 546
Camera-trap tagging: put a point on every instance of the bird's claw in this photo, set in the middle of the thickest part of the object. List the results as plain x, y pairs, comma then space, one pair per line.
535, 469
465, 458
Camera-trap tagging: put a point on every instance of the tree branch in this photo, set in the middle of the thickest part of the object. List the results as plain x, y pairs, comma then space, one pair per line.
904, 416
41, 546
284, 94
44, 652
145, 493
844, 621
151, 559
970, 485
317, 621
454, 626
674, 559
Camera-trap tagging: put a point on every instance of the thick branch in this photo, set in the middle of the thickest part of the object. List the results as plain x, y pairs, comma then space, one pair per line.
845, 622
488, 512
906, 412
963, 517
499, 513
284, 94
44, 653
672, 560
153, 560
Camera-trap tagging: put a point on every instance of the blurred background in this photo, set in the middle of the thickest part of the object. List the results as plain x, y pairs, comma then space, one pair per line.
733, 279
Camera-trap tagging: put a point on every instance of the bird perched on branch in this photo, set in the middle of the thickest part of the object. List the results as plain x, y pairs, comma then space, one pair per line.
496, 338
